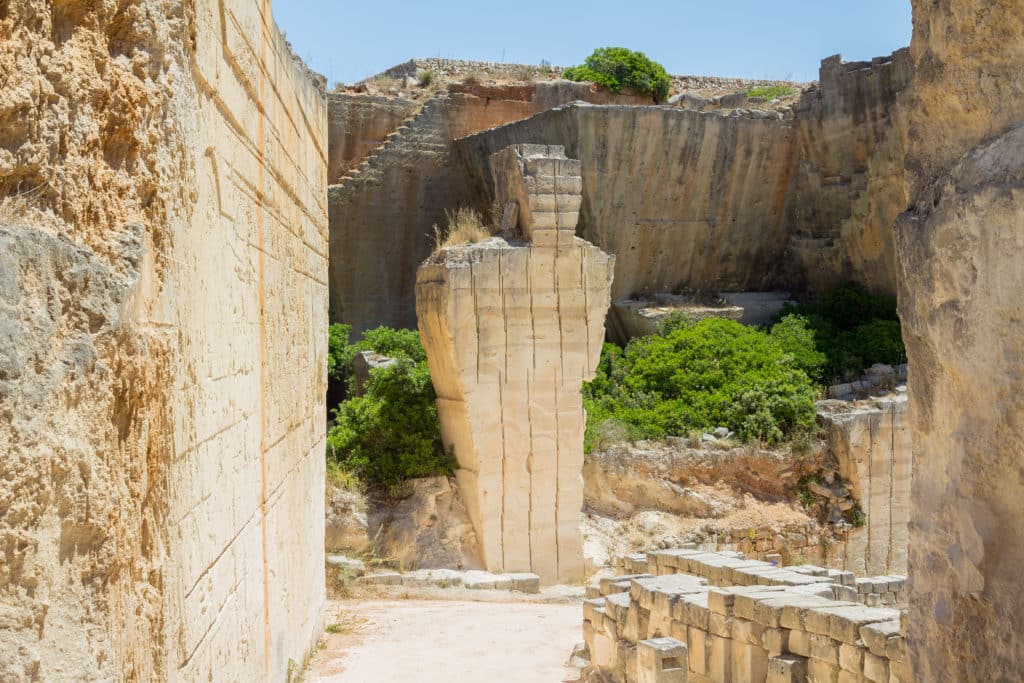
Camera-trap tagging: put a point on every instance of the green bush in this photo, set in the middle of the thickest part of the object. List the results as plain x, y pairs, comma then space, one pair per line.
616, 68
852, 328
383, 340
794, 335
338, 347
713, 373
391, 433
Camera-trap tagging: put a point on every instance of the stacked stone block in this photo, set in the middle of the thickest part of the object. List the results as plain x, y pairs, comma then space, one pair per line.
543, 186
787, 627
727, 568
511, 332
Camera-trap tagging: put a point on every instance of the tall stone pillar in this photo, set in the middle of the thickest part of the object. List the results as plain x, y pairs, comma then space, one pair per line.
512, 329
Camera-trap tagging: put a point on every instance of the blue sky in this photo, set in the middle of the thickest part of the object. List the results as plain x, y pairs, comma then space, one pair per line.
347, 40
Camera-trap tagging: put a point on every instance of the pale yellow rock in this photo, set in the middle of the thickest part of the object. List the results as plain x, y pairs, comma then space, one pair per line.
162, 457
871, 443
961, 253
511, 333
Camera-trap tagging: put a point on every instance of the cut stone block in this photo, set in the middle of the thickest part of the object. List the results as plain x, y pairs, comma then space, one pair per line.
662, 660
787, 669
524, 582
511, 332
381, 579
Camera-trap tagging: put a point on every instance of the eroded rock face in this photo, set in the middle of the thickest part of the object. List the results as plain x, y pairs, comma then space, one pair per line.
163, 268
961, 251
511, 333
73, 376
429, 529
847, 187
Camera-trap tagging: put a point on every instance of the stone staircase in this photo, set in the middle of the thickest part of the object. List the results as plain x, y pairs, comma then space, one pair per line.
418, 135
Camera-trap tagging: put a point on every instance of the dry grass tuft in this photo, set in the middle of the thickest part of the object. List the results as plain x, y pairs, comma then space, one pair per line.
346, 623
465, 226
22, 207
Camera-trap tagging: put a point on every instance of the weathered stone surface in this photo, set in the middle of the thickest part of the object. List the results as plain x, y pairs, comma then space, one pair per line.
163, 424
871, 443
511, 332
428, 529
345, 523
962, 254
961, 250
847, 187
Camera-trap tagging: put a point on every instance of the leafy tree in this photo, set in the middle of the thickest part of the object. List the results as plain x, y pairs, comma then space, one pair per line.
616, 68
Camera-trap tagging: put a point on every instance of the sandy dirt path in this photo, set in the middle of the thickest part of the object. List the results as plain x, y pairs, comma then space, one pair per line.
447, 642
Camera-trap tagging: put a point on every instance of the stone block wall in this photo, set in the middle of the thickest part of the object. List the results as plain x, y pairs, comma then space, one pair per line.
871, 443
162, 370
511, 332
778, 627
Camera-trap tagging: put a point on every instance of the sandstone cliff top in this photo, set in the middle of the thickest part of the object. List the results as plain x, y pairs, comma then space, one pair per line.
406, 79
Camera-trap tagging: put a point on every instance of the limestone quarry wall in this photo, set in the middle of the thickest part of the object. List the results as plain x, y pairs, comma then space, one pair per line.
847, 187
162, 353
359, 124
703, 212
871, 444
382, 212
735, 200
961, 250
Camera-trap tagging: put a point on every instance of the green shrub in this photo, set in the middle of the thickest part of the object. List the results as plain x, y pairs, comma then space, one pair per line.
616, 68
383, 340
794, 335
713, 373
852, 328
391, 433
338, 354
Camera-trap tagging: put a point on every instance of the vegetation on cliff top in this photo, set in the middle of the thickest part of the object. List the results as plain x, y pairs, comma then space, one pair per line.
391, 433
616, 68
770, 92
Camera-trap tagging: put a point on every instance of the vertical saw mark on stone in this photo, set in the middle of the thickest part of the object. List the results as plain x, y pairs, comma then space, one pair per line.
558, 478
262, 297
504, 480
892, 483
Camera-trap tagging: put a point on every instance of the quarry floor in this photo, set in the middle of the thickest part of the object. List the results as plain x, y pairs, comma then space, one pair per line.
441, 641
